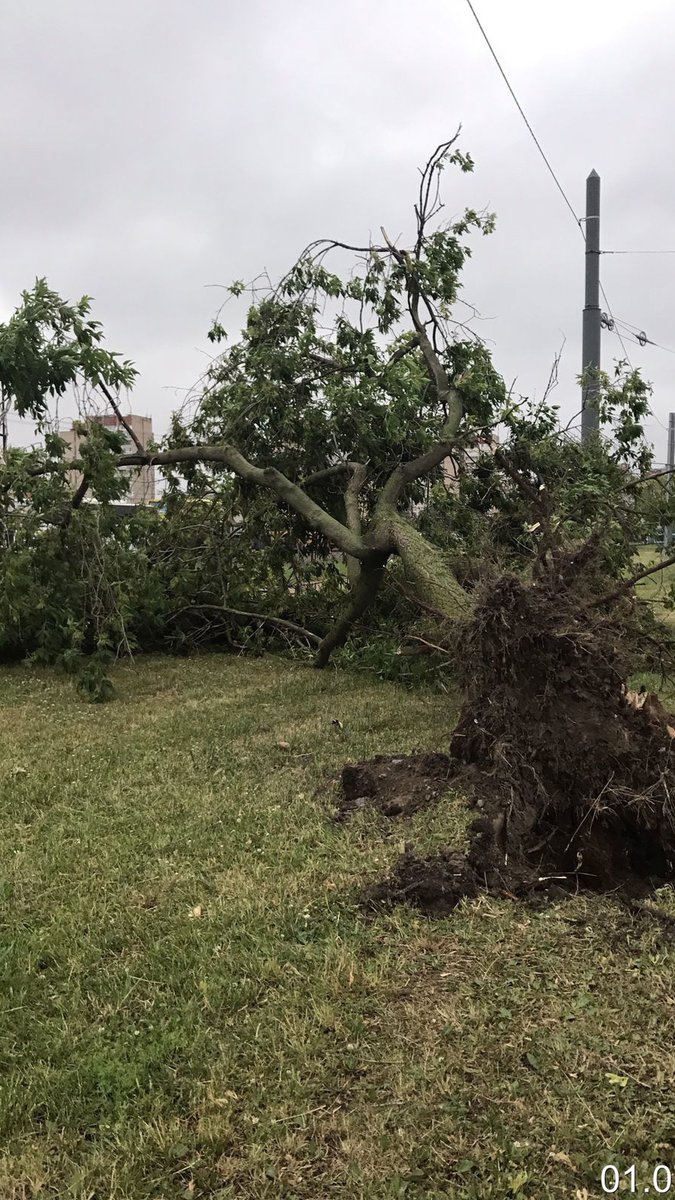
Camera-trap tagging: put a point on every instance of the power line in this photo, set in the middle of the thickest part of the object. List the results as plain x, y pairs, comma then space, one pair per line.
658, 422
637, 251
557, 182
616, 326
639, 336
642, 340
522, 113
659, 346
627, 325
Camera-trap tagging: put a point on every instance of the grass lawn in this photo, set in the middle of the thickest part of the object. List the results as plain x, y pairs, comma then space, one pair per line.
655, 587
192, 1005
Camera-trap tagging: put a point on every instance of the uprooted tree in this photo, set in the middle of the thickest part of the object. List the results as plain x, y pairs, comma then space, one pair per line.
327, 425
340, 423
326, 428
288, 408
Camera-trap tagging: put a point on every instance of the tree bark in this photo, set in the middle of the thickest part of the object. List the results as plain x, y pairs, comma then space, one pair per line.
363, 594
356, 482
268, 477
428, 575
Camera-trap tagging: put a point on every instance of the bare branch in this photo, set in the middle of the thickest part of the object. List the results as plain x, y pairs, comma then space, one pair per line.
447, 395
328, 473
627, 584
553, 377
118, 413
280, 622
423, 209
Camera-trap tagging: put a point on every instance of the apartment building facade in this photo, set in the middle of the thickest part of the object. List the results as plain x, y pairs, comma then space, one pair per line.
141, 479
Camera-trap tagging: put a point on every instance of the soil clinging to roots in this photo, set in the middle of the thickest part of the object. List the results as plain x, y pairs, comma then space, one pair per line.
572, 777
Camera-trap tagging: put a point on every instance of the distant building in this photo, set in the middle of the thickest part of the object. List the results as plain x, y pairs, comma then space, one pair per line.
451, 467
141, 479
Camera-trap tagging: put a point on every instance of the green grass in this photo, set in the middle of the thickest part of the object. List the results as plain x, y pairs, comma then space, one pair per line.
192, 1005
655, 588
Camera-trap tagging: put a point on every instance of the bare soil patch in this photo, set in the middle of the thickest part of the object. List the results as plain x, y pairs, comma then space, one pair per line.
396, 785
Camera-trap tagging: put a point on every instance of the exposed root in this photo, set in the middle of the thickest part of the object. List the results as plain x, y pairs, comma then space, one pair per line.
573, 773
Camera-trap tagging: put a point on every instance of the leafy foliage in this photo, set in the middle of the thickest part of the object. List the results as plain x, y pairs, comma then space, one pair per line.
49, 345
337, 364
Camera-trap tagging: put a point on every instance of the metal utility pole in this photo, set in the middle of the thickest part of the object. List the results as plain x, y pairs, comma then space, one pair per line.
668, 530
3, 418
590, 353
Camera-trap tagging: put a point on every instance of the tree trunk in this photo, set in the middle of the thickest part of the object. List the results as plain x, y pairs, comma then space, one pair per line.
431, 579
428, 574
353, 521
364, 592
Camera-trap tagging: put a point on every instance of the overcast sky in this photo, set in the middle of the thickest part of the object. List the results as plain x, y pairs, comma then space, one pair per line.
149, 149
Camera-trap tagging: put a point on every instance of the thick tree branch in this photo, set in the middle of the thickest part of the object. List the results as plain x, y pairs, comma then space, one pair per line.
406, 473
444, 390
427, 608
80, 493
337, 368
627, 584
363, 595
352, 491
328, 473
78, 497
633, 483
426, 570
269, 477
358, 478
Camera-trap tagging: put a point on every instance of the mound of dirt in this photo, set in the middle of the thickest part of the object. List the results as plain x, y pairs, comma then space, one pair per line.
435, 884
573, 774
396, 785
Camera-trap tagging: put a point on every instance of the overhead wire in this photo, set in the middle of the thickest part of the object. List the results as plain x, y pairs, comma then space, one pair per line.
637, 251
615, 325
643, 339
640, 336
522, 113
577, 220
